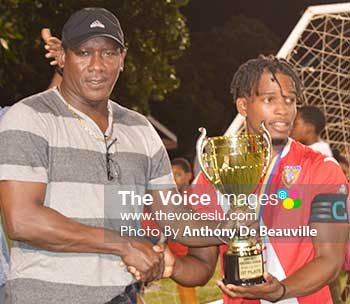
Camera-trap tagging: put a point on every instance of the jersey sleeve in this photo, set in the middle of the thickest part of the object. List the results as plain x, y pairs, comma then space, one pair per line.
328, 176
329, 203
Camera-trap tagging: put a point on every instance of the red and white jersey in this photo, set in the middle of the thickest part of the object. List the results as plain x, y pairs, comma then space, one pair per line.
303, 173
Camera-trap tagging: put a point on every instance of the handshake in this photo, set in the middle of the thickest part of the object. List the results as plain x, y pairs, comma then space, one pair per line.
148, 262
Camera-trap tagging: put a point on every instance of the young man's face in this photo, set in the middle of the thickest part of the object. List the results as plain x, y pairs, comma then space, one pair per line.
275, 105
92, 69
182, 178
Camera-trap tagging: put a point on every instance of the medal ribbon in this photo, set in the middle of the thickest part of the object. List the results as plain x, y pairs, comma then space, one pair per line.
268, 178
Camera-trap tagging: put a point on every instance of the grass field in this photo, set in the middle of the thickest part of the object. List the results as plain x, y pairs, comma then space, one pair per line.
165, 291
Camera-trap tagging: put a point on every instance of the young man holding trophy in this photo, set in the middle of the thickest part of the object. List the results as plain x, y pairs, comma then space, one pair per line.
297, 266
310, 187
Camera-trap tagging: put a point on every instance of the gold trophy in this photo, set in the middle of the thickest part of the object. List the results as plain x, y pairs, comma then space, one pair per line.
235, 165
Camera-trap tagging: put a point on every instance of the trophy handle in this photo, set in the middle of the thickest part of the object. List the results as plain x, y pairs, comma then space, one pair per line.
201, 143
268, 141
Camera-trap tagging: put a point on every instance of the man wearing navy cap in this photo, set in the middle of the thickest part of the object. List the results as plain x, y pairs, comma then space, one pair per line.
61, 167
55, 164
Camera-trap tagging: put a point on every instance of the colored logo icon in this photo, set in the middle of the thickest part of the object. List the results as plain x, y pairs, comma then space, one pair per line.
291, 199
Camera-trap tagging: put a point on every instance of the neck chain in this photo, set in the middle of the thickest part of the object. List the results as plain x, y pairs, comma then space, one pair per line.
83, 123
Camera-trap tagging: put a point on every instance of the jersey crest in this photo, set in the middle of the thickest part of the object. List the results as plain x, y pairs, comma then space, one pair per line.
290, 175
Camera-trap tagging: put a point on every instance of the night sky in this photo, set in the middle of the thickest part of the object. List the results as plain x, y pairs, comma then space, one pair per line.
279, 15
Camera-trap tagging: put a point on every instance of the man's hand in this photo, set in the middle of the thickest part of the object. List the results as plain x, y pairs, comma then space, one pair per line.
52, 45
271, 290
169, 259
169, 262
143, 262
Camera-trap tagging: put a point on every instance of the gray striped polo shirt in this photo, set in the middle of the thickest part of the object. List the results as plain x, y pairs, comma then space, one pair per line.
42, 141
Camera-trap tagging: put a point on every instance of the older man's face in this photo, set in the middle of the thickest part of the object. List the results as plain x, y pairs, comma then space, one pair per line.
92, 69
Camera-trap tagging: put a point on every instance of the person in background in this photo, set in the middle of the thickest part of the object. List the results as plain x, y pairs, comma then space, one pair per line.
53, 47
343, 162
182, 172
183, 175
307, 128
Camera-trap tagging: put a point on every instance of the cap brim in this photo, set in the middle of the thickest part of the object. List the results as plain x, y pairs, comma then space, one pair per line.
81, 39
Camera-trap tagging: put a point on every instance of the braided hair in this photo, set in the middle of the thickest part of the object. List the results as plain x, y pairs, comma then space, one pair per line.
248, 75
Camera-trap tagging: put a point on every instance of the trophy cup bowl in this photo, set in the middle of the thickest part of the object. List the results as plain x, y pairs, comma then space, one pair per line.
234, 165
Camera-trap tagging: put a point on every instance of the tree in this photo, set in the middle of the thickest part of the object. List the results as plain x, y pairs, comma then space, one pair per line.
155, 31
206, 71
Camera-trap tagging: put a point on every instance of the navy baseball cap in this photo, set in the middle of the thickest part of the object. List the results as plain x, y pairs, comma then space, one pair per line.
91, 22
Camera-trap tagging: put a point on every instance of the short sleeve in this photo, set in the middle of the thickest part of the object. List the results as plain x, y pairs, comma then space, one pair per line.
160, 173
24, 146
328, 176
329, 197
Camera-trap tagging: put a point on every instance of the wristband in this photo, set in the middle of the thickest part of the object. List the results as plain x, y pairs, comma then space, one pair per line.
282, 295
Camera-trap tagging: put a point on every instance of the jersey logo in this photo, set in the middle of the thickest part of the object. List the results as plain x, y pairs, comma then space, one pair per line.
290, 174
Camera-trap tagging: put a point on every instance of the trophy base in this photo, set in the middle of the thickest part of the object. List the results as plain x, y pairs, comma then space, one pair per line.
237, 274
250, 282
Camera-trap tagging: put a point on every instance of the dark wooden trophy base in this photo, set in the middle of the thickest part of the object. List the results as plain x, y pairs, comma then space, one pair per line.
232, 272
